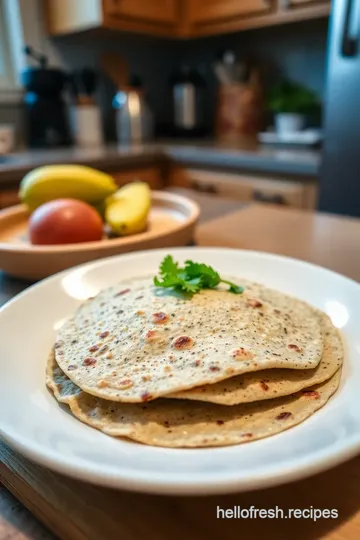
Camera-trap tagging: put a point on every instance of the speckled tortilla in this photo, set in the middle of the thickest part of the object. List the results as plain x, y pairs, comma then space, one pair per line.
274, 383
176, 423
63, 387
121, 345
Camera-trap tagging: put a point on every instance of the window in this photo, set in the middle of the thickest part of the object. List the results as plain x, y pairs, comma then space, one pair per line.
7, 79
21, 22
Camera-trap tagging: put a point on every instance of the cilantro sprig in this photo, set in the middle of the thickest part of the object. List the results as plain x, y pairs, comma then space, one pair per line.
191, 278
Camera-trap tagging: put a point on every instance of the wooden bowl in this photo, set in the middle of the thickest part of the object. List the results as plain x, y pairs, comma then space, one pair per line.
172, 221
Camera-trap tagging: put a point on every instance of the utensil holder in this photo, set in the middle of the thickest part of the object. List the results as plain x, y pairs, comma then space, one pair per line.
239, 111
86, 125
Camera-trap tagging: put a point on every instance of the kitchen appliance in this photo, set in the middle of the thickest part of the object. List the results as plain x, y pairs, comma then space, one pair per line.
45, 110
188, 96
134, 119
339, 189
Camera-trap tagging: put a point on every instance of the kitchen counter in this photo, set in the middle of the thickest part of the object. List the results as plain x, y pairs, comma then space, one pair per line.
241, 157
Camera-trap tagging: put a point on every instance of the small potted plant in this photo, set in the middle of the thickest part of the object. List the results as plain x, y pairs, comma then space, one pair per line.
291, 103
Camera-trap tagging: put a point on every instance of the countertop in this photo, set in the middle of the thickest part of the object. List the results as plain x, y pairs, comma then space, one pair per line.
318, 238
246, 156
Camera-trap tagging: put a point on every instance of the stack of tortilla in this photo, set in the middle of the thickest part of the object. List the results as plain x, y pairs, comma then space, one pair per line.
213, 369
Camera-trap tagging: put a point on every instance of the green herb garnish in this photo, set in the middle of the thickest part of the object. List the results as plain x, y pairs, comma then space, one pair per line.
190, 278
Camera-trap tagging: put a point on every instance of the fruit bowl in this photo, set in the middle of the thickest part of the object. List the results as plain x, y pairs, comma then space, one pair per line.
171, 222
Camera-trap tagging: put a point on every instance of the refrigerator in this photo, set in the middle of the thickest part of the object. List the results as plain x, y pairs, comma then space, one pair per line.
339, 188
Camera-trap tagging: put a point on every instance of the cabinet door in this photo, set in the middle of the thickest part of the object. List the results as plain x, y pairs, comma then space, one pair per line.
153, 11
211, 11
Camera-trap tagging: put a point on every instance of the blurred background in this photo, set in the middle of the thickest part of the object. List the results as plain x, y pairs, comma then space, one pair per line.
249, 81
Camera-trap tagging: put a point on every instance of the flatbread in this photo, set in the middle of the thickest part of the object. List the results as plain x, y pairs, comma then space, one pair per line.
176, 424
134, 342
274, 383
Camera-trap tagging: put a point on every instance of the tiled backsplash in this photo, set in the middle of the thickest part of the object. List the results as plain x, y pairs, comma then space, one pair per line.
296, 50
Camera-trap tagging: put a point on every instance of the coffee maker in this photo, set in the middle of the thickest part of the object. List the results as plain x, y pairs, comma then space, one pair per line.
45, 109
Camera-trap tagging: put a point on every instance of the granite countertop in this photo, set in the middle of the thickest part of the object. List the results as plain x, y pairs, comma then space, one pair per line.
241, 157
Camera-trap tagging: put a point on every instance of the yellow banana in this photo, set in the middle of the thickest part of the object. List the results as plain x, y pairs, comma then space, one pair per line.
127, 210
65, 181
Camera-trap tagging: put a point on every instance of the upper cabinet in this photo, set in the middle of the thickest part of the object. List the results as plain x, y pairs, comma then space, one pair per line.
217, 16
145, 16
213, 11
205, 17
157, 11
155, 16
177, 18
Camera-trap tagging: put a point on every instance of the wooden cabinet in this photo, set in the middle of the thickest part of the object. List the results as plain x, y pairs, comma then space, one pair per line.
145, 16
247, 188
155, 11
205, 17
214, 11
177, 18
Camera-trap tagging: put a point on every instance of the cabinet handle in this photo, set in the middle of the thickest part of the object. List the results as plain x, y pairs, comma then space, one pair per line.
203, 188
351, 34
275, 198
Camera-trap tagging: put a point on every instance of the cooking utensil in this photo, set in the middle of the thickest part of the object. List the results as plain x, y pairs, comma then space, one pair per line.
229, 70
116, 69
221, 73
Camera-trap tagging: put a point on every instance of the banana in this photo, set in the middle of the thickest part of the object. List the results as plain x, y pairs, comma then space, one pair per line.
127, 210
65, 181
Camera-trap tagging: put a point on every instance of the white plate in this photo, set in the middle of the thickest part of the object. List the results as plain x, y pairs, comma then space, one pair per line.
33, 423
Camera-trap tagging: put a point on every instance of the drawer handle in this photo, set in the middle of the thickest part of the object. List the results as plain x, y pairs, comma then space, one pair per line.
275, 198
203, 188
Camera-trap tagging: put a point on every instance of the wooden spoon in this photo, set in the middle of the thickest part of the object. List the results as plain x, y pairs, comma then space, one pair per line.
116, 69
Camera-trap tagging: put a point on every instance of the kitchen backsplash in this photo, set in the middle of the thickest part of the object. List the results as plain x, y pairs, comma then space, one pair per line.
297, 50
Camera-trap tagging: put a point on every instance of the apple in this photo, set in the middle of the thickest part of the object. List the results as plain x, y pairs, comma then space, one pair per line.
65, 221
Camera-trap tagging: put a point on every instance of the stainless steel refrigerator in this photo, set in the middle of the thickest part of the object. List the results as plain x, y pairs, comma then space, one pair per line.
339, 190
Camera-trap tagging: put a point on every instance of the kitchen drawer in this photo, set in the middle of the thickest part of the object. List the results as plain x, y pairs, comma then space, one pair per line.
247, 188
151, 175
9, 198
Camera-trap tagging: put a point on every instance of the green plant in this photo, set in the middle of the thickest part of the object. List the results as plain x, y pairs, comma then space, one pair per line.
291, 97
